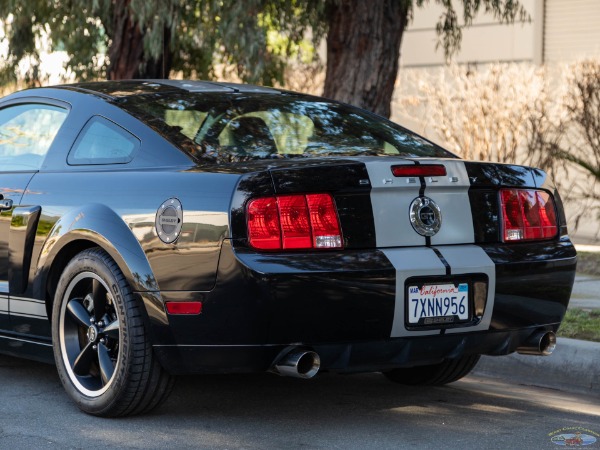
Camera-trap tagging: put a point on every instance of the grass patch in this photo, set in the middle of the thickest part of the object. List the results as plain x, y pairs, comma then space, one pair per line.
588, 263
581, 324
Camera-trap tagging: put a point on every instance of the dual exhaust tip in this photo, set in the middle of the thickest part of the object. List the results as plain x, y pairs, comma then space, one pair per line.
298, 363
541, 343
302, 363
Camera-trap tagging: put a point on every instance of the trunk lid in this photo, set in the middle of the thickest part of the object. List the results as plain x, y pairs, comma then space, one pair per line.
380, 210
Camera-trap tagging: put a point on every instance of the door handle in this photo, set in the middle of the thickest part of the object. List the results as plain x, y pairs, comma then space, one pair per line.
5, 203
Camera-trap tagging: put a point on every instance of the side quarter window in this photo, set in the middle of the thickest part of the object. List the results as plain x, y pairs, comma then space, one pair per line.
26, 134
103, 142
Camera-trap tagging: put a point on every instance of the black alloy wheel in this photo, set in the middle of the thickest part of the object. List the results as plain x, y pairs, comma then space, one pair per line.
101, 345
89, 334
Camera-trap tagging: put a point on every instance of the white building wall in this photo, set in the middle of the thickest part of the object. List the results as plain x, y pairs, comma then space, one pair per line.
572, 30
485, 40
559, 31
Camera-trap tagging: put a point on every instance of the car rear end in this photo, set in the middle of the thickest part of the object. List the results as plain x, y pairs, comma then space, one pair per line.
358, 243
382, 290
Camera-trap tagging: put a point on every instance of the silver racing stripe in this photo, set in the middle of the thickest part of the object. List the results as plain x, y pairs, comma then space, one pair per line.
391, 198
27, 307
452, 197
411, 262
465, 259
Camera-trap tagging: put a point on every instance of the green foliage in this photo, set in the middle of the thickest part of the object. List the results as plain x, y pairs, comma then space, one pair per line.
581, 324
69, 25
255, 38
194, 44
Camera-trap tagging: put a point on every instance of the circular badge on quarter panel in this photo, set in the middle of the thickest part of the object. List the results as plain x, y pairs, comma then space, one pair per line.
425, 216
169, 219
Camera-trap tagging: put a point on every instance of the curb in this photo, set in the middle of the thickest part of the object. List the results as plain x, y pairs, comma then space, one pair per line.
587, 248
574, 366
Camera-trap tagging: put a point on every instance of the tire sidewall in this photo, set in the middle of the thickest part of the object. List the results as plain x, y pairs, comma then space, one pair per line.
89, 261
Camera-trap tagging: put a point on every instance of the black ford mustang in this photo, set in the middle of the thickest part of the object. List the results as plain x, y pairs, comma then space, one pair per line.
164, 227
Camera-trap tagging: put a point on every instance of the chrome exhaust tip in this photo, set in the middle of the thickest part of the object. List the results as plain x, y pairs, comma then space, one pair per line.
298, 364
541, 343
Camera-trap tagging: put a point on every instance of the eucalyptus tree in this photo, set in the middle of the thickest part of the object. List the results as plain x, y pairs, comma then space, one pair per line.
150, 38
30, 26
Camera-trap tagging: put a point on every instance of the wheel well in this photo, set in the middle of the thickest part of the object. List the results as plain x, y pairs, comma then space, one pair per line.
58, 265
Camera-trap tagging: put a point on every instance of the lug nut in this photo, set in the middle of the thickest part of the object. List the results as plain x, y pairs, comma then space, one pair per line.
103, 341
100, 323
95, 347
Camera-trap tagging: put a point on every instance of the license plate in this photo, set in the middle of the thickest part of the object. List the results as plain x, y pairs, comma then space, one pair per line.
433, 304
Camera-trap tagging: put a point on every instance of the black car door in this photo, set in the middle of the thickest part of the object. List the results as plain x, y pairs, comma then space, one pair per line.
12, 186
27, 130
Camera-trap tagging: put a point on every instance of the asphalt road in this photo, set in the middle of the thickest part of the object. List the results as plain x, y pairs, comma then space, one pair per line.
266, 411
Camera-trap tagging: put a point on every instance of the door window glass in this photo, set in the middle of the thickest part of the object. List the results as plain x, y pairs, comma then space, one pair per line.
26, 134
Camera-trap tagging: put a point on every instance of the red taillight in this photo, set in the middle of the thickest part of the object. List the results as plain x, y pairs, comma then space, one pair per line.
184, 307
265, 232
422, 170
527, 214
293, 222
295, 226
324, 221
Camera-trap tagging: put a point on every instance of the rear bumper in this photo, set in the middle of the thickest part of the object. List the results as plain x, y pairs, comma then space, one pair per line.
347, 306
367, 356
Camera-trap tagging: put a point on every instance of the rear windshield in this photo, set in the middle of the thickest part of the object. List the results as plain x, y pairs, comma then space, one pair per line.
241, 126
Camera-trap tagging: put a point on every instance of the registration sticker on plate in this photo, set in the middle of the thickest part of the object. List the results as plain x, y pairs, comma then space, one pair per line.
433, 304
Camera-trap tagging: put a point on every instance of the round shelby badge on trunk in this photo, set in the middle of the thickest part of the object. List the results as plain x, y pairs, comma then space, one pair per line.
169, 219
425, 216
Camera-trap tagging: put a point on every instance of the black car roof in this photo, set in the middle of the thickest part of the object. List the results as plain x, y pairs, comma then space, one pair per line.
120, 89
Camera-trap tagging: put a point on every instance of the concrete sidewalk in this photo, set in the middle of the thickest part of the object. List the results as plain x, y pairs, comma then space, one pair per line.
574, 365
586, 292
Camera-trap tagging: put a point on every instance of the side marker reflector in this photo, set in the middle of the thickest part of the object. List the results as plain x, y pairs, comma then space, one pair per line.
184, 307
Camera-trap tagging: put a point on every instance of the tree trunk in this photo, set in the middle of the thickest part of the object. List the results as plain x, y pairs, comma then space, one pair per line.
126, 52
127, 47
363, 49
159, 68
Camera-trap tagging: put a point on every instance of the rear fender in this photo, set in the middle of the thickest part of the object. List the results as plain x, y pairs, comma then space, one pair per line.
100, 225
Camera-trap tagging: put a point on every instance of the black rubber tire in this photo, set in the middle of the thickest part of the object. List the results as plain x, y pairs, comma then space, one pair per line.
448, 371
137, 383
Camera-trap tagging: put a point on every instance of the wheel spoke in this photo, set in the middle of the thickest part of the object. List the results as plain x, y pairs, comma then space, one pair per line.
78, 312
106, 365
99, 295
112, 330
84, 360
